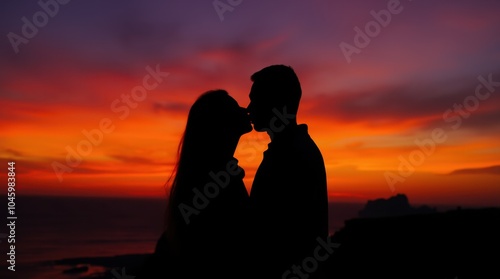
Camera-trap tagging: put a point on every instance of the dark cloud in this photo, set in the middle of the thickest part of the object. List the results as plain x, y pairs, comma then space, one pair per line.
493, 170
399, 104
136, 160
170, 107
147, 41
13, 152
26, 166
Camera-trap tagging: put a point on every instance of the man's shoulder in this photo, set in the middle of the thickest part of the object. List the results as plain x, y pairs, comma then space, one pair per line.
300, 144
303, 139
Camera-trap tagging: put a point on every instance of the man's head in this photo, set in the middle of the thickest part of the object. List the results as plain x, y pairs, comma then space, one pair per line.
274, 88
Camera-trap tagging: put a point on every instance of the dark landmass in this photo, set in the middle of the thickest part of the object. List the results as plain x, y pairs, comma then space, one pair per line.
132, 264
393, 206
103, 261
391, 240
460, 244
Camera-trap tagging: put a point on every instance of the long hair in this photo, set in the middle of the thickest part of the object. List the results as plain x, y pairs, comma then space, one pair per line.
196, 152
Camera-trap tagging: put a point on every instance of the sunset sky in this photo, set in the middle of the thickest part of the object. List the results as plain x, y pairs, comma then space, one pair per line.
429, 74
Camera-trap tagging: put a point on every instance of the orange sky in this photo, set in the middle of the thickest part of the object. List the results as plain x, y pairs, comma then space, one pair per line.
365, 116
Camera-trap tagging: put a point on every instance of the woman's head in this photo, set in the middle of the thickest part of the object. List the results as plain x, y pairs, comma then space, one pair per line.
214, 125
217, 115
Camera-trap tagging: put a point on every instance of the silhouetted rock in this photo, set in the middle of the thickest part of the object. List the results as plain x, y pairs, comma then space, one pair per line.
455, 244
394, 206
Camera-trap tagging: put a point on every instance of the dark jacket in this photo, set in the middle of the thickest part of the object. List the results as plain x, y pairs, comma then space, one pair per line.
289, 201
213, 244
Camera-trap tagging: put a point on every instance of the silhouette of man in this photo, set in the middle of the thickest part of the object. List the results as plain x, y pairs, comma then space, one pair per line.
289, 194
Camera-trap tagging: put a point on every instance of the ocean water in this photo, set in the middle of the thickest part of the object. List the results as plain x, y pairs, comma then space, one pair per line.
52, 228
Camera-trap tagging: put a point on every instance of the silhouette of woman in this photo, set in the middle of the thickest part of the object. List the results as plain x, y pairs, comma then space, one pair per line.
207, 206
